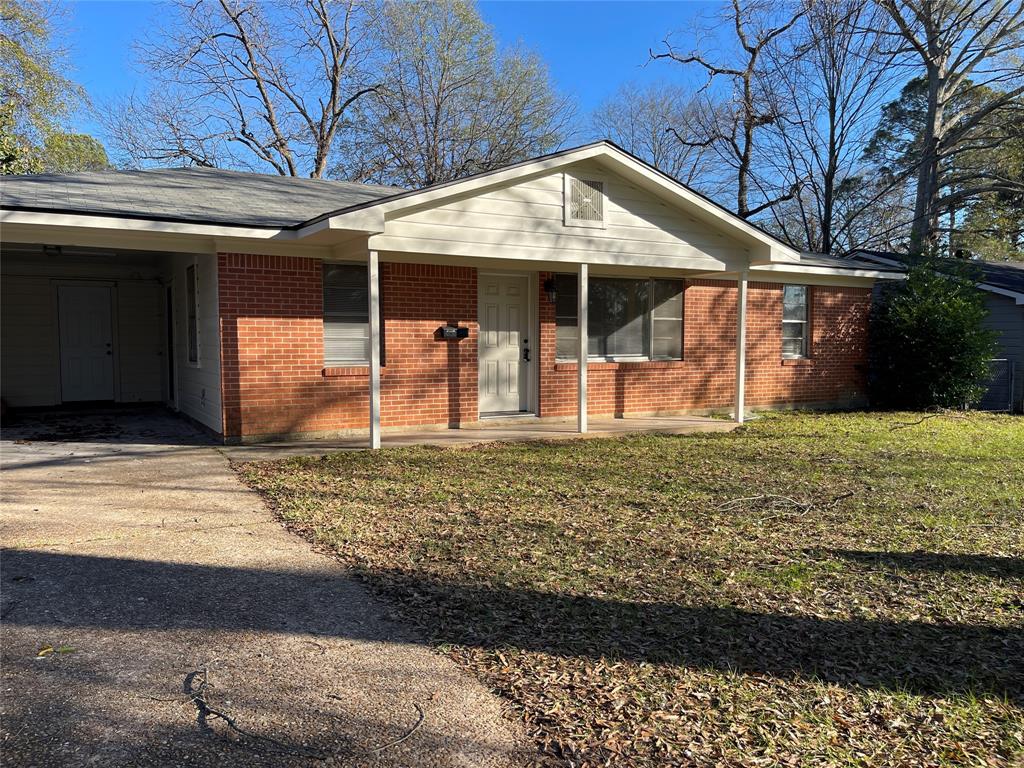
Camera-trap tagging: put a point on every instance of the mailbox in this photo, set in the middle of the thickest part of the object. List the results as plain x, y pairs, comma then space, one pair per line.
452, 332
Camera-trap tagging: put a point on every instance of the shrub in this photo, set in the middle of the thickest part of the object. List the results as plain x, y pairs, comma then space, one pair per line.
928, 346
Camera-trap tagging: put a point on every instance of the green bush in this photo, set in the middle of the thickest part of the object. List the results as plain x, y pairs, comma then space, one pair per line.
928, 346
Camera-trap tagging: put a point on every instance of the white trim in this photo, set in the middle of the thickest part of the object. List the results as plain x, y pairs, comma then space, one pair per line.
1017, 297
373, 265
741, 346
131, 224
814, 269
567, 219
582, 299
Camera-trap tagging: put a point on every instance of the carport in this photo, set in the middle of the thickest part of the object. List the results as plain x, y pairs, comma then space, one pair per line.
92, 326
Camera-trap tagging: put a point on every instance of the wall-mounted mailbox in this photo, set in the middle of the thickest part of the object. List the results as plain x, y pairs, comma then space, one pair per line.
452, 332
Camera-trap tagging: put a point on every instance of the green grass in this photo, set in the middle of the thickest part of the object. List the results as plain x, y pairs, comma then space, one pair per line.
808, 590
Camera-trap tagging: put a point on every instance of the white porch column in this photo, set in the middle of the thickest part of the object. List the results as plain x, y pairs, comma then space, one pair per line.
581, 353
741, 343
373, 267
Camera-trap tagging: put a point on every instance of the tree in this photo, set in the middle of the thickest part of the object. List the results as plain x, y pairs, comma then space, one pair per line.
733, 127
989, 222
963, 45
71, 152
929, 346
638, 119
449, 103
827, 90
35, 97
243, 83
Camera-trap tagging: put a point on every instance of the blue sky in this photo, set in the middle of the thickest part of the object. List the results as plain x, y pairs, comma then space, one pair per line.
590, 47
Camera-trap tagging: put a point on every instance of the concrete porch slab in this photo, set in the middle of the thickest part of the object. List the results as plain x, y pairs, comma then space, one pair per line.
492, 430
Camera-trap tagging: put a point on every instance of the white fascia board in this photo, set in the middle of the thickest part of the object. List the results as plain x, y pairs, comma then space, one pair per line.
84, 221
1018, 298
811, 269
366, 220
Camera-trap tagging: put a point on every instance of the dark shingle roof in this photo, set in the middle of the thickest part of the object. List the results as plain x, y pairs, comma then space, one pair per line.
841, 262
204, 195
1006, 275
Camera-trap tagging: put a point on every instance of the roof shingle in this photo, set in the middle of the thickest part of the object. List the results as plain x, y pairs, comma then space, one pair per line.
203, 195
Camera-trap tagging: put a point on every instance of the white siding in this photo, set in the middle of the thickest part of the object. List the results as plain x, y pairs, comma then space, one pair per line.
30, 338
527, 217
141, 341
198, 383
30, 370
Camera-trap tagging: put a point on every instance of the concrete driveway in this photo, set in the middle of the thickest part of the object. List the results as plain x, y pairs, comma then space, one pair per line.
189, 628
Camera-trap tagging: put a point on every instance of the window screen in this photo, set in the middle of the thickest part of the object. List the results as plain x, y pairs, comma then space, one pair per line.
626, 318
346, 314
794, 321
192, 312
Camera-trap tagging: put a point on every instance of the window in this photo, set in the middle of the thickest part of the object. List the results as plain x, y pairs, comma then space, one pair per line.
794, 321
584, 202
192, 312
626, 318
346, 315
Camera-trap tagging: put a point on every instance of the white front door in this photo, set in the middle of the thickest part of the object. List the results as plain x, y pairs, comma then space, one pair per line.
86, 343
504, 345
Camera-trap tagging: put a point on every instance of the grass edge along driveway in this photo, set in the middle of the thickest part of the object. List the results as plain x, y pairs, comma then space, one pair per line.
843, 589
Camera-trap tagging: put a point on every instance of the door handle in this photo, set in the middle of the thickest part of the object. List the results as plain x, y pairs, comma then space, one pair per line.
526, 354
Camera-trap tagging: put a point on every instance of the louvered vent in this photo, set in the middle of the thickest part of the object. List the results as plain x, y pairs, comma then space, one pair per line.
586, 201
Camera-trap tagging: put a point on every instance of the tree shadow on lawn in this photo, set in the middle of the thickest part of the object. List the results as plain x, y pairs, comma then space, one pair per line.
52, 589
984, 565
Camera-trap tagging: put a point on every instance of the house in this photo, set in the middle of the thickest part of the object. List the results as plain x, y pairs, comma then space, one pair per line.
269, 307
1003, 286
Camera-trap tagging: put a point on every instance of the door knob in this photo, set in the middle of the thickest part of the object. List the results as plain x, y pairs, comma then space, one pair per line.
526, 354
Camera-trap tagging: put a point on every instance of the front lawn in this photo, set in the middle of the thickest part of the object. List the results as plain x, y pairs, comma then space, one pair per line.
808, 590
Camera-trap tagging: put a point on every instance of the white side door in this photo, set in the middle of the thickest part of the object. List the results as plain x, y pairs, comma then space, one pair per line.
503, 348
86, 342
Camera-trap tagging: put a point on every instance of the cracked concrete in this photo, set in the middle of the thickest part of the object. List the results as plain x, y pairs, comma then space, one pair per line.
130, 544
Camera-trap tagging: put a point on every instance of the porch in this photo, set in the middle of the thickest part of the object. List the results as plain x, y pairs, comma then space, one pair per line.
489, 430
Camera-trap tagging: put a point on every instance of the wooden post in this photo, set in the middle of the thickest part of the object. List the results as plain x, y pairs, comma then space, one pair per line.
741, 343
373, 267
583, 348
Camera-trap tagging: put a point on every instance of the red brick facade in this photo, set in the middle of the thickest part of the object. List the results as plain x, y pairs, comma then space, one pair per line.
275, 383
272, 364
705, 379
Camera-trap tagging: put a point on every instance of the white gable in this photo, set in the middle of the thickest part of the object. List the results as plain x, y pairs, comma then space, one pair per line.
525, 218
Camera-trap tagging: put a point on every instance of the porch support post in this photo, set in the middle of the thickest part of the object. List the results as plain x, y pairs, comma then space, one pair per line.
741, 343
373, 267
581, 352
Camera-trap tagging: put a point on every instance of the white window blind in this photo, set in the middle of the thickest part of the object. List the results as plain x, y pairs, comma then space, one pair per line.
346, 314
794, 321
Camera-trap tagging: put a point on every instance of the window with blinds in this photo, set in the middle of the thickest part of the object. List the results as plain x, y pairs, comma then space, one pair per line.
795, 325
346, 315
626, 318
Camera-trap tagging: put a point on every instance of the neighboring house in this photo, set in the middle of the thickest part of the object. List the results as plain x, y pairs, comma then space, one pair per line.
1003, 285
279, 307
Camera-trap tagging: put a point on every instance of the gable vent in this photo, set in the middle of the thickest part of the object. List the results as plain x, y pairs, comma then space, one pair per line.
586, 202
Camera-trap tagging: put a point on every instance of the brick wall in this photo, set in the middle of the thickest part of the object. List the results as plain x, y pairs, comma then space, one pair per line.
705, 378
273, 373
275, 383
